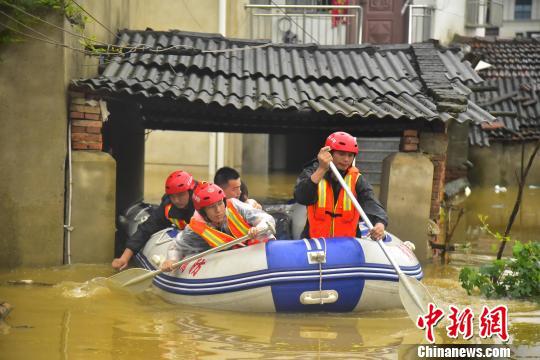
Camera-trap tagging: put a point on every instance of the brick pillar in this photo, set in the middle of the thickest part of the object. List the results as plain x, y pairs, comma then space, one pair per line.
455, 173
409, 141
435, 146
86, 122
437, 192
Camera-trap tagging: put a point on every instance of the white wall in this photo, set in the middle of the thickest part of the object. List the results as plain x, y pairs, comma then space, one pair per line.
448, 18
511, 27
166, 151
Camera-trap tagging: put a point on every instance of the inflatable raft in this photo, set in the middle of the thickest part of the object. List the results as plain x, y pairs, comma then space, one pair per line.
341, 274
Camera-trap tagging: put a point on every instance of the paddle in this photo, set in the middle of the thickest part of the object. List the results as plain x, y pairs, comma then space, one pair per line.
137, 280
413, 294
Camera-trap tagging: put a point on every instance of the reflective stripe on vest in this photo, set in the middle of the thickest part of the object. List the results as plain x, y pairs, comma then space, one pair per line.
236, 223
179, 223
212, 236
325, 218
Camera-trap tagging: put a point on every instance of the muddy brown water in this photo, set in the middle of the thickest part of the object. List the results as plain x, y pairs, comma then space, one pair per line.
69, 314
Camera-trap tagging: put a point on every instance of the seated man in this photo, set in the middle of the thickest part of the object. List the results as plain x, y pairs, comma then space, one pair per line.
330, 212
229, 180
176, 209
216, 222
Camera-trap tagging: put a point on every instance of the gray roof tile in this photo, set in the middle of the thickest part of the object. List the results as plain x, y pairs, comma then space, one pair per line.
354, 80
515, 74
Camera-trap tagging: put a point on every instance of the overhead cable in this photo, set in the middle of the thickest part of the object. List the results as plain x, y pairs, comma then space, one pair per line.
290, 18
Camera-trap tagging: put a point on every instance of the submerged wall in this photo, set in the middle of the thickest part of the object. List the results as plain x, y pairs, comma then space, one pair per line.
32, 151
34, 77
499, 163
93, 207
405, 193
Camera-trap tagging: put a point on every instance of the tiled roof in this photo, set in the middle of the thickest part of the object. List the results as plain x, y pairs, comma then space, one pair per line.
507, 57
514, 75
420, 81
516, 102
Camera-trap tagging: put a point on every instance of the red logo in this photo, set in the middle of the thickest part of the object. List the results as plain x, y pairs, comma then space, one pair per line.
429, 321
494, 322
460, 323
491, 322
183, 267
197, 266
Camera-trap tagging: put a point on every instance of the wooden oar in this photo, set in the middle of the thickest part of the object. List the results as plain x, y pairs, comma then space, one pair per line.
413, 294
137, 280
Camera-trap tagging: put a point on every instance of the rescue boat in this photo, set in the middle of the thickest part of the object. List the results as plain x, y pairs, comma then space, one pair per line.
342, 274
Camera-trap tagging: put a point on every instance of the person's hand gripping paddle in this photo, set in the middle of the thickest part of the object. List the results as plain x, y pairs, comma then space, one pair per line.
413, 294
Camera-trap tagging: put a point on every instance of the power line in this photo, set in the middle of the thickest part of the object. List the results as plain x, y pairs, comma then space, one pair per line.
290, 18
96, 20
144, 49
24, 25
191, 14
139, 47
51, 24
107, 45
245, 48
45, 40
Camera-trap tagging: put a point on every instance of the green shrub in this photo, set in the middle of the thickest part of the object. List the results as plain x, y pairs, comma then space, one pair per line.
515, 277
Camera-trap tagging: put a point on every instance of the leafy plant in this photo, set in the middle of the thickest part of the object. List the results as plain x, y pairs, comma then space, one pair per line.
515, 277
21, 15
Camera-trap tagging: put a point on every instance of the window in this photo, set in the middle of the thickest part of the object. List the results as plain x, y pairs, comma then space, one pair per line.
484, 13
494, 31
523, 9
419, 23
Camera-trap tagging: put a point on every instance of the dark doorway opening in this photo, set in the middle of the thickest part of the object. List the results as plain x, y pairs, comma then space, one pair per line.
290, 152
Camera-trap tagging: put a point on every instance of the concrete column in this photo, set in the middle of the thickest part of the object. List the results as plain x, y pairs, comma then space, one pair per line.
255, 154
278, 152
406, 184
126, 134
93, 207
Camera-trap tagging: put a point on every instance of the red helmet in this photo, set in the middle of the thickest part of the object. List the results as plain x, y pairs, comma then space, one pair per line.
207, 194
342, 141
179, 181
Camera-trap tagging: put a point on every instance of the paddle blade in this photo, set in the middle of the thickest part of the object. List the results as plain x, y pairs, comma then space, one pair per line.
414, 296
129, 280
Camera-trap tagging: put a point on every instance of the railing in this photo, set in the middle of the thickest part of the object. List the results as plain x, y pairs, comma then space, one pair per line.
321, 24
484, 13
420, 19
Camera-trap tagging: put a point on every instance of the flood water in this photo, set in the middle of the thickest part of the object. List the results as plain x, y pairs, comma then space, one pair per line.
68, 313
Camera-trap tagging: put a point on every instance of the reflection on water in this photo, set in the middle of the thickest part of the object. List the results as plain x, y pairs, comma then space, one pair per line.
79, 319
497, 206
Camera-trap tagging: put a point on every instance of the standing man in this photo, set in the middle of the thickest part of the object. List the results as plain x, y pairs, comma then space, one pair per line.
229, 180
330, 211
216, 221
176, 209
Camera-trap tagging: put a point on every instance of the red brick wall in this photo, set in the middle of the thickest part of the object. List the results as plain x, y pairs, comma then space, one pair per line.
455, 173
86, 122
409, 141
437, 192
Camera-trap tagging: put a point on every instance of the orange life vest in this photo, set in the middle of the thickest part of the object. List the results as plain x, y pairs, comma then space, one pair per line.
325, 218
179, 223
238, 226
